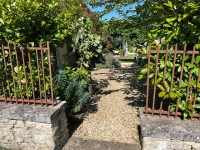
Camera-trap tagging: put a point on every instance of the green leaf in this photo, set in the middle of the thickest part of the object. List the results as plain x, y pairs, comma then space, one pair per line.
185, 69
179, 69
158, 81
169, 64
172, 109
166, 85
151, 75
197, 106
47, 86
1, 20
186, 57
197, 46
144, 71
6, 52
161, 87
161, 94
182, 105
166, 25
192, 83
169, 4
168, 75
185, 15
9, 31
16, 69
198, 99
140, 77
162, 64
197, 60
172, 95
169, 20
185, 114
179, 93
191, 66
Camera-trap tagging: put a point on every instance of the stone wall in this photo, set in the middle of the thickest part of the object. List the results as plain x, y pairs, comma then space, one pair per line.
33, 127
162, 133
168, 144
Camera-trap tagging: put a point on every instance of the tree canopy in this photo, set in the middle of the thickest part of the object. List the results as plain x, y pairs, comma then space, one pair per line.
177, 21
25, 21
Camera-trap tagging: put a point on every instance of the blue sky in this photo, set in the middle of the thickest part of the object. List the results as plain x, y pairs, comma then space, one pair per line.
110, 15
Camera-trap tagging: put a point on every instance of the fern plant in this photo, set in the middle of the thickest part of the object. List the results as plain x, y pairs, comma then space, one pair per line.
71, 90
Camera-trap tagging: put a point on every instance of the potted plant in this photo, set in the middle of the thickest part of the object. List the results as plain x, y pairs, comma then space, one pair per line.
121, 52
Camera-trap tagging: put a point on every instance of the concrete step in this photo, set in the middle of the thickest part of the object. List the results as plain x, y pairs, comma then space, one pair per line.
76, 143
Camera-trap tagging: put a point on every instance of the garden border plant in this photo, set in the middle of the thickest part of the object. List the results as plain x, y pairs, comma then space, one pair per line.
180, 93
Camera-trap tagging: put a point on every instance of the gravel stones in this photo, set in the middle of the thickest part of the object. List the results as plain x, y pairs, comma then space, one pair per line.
115, 119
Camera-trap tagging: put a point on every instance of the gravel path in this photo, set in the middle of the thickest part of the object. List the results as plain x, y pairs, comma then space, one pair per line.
116, 116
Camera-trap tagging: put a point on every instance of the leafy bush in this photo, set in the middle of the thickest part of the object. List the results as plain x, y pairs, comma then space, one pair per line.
130, 49
86, 42
121, 51
72, 90
174, 86
21, 77
38, 20
80, 73
109, 62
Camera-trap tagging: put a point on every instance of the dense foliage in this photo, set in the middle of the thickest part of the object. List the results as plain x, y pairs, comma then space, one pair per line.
177, 24
22, 77
72, 90
33, 21
173, 22
109, 61
87, 43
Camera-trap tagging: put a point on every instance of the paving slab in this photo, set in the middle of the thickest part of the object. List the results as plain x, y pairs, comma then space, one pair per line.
76, 143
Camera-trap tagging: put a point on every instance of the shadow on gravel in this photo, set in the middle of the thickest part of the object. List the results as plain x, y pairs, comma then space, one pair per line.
75, 120
135, 91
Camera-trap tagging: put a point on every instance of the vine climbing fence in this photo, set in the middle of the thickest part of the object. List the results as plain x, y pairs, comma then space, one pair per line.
173, 82
26, 74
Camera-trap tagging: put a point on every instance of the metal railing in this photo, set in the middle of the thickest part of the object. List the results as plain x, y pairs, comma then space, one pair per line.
157, 104
26, 75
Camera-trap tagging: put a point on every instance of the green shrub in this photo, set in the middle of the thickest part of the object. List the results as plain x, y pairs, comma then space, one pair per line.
20, 76
121, 51
109, 62
81, 73
130, 49
72, 90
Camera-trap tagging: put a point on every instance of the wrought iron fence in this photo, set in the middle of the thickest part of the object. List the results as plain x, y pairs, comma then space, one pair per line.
26, 75
174, 76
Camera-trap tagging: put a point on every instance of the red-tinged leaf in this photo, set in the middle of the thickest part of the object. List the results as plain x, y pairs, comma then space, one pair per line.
190, 106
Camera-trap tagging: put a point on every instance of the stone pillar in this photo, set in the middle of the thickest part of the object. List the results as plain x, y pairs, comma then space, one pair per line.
33, 127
